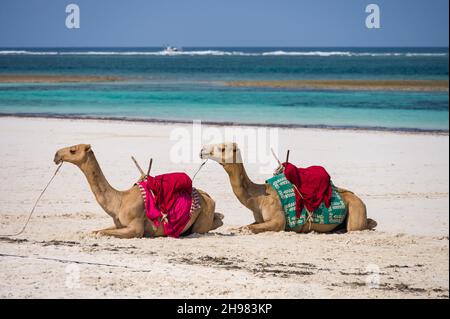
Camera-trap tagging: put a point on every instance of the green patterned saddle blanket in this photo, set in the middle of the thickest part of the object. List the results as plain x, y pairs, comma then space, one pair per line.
335, 214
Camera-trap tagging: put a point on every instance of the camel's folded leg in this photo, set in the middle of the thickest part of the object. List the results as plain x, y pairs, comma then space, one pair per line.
270, 225
133, 230
100, 230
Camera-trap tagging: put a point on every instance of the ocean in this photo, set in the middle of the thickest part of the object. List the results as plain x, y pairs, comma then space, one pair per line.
194, 85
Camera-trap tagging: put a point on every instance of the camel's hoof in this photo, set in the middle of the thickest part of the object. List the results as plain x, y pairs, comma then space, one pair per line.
97, 233
245, 230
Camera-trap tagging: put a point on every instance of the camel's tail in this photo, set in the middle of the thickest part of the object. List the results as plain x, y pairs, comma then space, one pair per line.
371, 224
217, 221
219, 215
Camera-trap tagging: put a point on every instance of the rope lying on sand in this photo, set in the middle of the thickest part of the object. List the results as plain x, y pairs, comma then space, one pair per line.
35, 204
72, 261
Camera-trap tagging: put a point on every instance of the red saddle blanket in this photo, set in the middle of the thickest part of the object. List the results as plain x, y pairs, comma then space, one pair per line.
170, 199
313, 183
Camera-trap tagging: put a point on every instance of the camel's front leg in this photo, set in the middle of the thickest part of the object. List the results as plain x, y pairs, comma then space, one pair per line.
133, 230
100, 230
276, 224
242, 229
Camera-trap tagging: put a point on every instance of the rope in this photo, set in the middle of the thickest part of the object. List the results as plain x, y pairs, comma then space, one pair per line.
198, 170
35, 204
309, 218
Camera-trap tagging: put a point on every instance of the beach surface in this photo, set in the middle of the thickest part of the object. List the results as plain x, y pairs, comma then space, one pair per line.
402, 177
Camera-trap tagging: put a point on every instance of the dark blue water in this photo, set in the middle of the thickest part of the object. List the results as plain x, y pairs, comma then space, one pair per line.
192, 85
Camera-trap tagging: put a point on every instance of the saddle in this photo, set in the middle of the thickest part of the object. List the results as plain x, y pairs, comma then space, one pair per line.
307, 194
171, 200
312, 185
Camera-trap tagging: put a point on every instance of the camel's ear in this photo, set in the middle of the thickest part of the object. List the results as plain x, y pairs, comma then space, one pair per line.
87, 148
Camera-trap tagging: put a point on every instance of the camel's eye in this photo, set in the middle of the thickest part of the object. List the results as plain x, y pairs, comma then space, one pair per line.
73, 151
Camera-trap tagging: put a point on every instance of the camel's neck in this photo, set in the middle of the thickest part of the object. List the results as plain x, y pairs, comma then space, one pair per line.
242, 186
108, 198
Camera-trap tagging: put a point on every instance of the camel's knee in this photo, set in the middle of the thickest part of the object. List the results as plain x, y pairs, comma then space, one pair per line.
279, 224
136, 228
138, 232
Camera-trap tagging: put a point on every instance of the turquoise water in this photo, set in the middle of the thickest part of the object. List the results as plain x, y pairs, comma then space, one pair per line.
191, 85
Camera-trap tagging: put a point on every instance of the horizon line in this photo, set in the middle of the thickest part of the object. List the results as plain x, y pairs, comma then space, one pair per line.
225, 46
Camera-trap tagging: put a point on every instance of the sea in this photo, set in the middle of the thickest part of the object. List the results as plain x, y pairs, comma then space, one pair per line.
193, 84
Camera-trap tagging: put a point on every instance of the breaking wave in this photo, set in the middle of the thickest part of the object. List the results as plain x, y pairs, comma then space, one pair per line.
224, 53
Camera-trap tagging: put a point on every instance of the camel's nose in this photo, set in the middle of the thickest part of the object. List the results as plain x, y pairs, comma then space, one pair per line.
205, 152
57, 158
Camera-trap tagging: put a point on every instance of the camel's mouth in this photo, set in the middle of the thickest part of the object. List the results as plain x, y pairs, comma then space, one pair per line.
57, 159
204, 154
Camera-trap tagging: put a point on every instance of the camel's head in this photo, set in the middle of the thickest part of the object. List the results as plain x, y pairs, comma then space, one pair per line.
223, 153
73, 154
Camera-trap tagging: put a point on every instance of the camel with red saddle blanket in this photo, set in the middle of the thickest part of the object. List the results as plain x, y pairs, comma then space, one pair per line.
266, 202
129, 209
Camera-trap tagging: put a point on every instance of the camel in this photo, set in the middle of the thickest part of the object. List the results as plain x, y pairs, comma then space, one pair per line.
265, 204
127, 208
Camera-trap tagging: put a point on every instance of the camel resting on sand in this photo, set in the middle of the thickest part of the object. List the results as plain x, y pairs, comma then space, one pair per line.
127, 207
264, 202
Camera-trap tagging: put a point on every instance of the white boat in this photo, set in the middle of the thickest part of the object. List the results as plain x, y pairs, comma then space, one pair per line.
169, 50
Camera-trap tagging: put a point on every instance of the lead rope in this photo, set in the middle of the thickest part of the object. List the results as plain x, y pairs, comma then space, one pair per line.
35, 204
198, 170
309, 218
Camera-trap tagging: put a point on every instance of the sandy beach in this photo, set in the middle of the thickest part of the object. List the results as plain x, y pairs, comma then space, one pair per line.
402, 177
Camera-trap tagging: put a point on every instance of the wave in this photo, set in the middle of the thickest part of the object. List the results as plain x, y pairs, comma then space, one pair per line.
160, 53
226, 53
348, 53
310, 53
23, 52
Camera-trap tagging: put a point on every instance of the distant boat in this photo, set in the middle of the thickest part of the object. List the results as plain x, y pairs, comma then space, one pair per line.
169, 49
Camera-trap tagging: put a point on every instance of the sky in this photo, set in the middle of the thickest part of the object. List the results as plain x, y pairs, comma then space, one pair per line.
211, 23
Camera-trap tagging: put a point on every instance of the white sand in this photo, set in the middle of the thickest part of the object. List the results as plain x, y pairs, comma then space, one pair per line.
403, 179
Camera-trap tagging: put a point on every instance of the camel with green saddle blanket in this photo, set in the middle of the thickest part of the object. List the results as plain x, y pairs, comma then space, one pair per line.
273, 203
